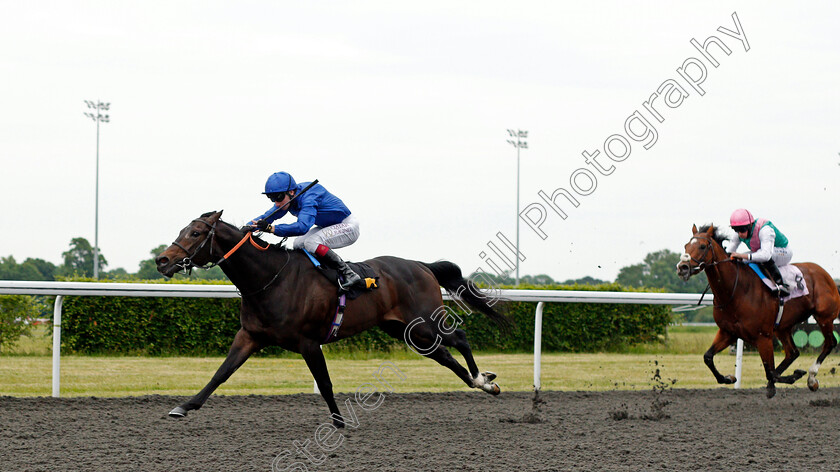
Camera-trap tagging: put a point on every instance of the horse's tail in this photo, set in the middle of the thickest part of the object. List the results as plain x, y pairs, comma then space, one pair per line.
449, 277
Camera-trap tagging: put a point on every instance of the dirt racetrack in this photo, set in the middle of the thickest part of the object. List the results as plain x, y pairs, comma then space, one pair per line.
698, 430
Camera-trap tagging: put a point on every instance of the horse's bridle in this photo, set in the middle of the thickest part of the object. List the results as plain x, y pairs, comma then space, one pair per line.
701, 263
186, 264
701, 266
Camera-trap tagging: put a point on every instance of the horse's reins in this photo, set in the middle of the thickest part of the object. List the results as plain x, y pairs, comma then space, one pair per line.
701, 266
187, 264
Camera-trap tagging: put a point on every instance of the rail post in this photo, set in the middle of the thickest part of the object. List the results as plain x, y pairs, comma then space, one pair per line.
739, 361
538, 345
56, 354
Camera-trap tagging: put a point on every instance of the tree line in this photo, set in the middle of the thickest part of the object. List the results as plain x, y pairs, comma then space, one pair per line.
657, 271
78, 262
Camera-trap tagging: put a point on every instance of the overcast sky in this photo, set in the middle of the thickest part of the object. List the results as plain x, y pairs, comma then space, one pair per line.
400, 109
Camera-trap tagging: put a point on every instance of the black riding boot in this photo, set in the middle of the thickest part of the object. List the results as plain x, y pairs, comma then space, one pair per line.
771, 267
332, 259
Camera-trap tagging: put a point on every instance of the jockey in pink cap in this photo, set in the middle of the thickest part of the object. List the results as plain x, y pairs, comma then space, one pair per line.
768, 246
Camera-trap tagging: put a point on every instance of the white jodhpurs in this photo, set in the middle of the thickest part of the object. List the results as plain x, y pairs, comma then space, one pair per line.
782, 256
334, 237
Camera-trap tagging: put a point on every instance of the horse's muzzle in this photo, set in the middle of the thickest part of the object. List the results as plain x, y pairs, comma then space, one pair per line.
166, 265
684, 269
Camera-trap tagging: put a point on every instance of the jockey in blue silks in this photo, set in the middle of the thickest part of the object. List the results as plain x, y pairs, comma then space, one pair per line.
323, 221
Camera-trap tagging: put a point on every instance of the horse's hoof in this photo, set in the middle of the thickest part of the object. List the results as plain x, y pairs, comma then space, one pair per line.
729, 379
492, 389
771, 392
798, 373
338, 423
813, 384
178, 412
490, 376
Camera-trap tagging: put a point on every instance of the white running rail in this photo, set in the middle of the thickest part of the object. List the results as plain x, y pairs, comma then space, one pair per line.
103, 289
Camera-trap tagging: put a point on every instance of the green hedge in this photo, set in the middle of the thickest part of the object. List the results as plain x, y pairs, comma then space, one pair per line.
198, 326
573, 327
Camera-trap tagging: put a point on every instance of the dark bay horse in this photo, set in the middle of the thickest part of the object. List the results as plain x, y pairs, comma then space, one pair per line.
287, 303
745, 308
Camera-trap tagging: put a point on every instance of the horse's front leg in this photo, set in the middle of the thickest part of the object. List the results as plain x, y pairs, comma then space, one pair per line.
241, 349
721, 342
764, 344
314, 358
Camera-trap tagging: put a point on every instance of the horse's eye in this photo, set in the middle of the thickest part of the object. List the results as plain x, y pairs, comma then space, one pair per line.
702, 247
195, 234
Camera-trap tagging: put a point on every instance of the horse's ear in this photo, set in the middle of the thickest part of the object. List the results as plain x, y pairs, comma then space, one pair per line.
711, 230
215, 217
693, 230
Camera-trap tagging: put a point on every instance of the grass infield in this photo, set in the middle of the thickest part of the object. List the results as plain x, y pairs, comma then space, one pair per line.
27, 371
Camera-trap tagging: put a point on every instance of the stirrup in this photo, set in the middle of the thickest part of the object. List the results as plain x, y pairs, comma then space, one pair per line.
346, 286
782, 291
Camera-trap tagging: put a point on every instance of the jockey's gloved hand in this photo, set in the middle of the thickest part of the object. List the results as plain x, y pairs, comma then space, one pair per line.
248, 228
262, 225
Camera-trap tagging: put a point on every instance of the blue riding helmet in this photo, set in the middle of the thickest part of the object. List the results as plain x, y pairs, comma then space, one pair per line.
279, 182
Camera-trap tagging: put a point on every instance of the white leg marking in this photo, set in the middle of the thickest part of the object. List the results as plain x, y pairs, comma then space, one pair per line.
813, 384
479, 381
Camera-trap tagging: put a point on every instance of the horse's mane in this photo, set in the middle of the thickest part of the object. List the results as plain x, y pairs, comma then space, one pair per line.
275, 247
720, 236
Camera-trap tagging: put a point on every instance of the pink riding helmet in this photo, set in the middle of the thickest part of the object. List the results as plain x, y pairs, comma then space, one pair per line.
741, 217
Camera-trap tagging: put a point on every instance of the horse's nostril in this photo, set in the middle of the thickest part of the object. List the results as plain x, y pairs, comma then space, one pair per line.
161, 260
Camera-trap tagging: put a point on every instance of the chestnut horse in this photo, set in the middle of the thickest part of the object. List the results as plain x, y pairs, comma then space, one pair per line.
745, 308
286, 302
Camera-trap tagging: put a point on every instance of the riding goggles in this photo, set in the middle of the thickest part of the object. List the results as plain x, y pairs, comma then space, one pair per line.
276, 197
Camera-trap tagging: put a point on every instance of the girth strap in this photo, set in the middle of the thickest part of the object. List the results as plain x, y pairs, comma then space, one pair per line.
339, 317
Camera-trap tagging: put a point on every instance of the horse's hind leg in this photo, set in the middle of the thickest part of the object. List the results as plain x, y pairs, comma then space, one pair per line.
827, 329
721, 342
241, 349
791, 353
314, 358
433, 345
444, 358
459, 342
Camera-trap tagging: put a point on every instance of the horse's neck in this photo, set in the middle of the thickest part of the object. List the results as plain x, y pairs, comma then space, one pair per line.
248, 268
723, 276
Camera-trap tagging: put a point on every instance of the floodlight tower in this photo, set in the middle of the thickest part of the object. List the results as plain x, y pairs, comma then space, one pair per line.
519, 143
96, 115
